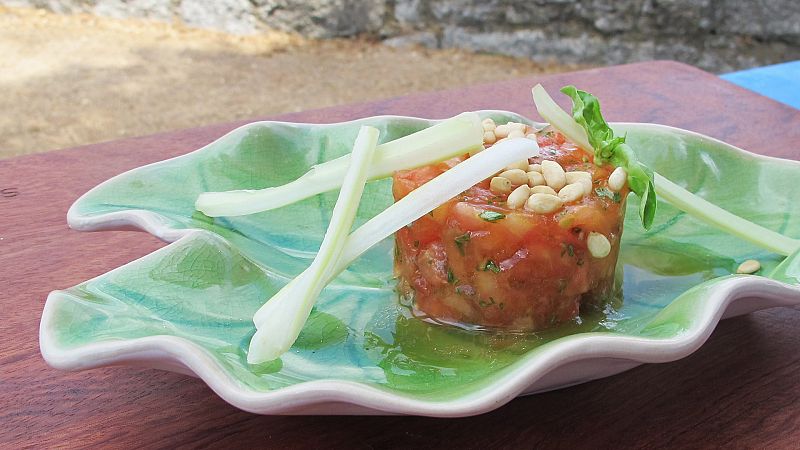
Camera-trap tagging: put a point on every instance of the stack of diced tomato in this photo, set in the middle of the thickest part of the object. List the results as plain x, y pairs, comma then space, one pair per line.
475, 262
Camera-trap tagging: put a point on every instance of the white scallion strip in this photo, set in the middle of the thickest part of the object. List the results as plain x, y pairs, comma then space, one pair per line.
408, 209
559, 119
455, 136
285, 315
724, 220
669, 191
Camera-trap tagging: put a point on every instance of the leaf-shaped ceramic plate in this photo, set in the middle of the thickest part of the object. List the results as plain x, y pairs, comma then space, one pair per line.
187, 307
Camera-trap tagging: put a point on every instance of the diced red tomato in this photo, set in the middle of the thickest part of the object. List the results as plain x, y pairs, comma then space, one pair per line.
525, 271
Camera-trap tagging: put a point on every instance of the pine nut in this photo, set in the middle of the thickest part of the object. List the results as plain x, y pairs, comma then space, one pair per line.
571, 192
535, 179
513, 134
531, 136
488, 125
501, 131
517, 126
543, 190
521, 165
489, 138
749, 266
598, 245
554, 174
543, 203
517, 176
500, 185
535, 168
617, 179
584, 178
518, 198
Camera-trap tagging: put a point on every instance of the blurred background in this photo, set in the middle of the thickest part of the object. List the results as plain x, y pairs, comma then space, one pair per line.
74, 72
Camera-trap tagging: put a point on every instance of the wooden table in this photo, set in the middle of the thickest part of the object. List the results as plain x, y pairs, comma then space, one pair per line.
741, 389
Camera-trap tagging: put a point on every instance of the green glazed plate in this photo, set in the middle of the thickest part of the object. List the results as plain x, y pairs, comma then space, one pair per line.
188, 306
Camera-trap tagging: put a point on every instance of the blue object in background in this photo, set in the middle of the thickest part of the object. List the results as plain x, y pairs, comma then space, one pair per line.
779, 82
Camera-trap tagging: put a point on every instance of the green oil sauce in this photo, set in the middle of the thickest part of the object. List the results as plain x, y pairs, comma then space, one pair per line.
425, 357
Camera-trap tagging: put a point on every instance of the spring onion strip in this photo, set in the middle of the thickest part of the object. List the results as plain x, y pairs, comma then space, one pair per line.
559, 119
452, 137
272, 337
285, 315
724, 220
677, 196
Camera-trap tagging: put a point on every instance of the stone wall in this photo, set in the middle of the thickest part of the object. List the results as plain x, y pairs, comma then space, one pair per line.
717, 35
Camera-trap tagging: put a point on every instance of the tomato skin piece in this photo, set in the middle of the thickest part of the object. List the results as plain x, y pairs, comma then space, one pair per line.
525, 271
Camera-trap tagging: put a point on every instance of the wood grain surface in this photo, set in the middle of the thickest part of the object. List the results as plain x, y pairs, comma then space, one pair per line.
740, 390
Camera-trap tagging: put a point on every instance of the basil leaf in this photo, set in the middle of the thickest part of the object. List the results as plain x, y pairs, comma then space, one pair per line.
614, 150
586, 111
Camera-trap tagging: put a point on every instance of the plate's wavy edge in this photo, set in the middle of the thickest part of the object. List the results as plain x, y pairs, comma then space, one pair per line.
155, 224
175, 353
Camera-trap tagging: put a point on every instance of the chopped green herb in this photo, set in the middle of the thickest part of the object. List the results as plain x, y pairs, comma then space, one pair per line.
461, 241
606, 192
484, 303
491, 216
491, 266
450, 277
501, 305
567, 249
495, 199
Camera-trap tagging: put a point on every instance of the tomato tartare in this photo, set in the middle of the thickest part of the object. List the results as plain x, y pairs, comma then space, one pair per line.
523, 250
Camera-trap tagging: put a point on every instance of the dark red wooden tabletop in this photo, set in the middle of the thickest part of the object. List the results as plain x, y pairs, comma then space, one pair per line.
740, 389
